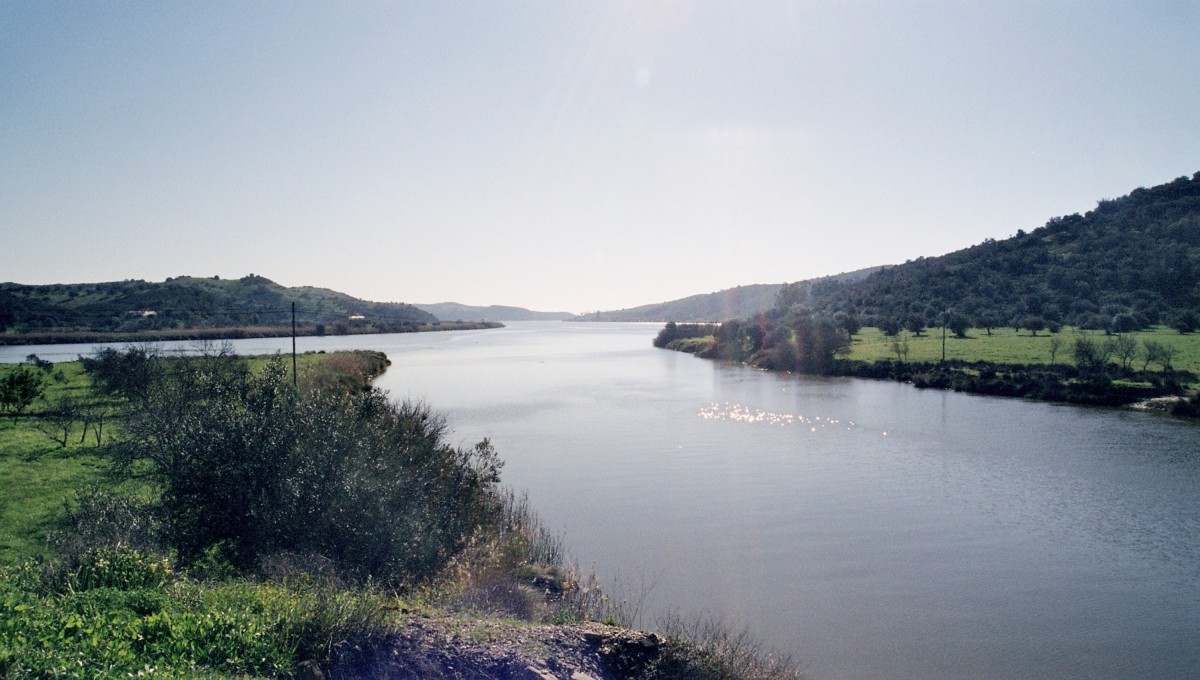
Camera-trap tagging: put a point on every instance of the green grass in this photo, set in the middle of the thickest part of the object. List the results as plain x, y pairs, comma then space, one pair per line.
1006, 346
37, 474
118, 625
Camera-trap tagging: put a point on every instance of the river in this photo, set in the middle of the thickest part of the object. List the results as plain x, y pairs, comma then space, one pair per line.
876, 530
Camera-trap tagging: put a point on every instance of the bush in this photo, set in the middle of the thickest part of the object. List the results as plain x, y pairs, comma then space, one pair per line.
246, 462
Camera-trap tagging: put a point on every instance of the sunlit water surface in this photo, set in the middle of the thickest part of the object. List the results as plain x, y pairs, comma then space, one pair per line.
877, 530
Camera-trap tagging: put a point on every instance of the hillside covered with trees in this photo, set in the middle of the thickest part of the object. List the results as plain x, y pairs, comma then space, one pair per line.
1126, 269
188, 302
1130, 263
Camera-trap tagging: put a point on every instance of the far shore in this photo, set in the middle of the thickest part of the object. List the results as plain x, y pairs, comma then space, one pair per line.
226, 333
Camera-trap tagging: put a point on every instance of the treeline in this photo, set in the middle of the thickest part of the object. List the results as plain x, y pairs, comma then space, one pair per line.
1130, 263
192, 302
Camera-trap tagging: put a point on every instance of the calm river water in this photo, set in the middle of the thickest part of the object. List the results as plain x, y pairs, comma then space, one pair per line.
877, 530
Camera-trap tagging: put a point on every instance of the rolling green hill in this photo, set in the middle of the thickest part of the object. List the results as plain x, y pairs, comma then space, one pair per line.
725, 304
188, 302
453, 311
1130, 263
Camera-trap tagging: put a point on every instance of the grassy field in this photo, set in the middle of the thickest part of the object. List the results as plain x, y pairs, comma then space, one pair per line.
1006, 346
36, 473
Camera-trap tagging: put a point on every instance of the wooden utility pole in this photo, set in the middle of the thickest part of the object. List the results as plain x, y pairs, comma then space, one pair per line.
943, 338
295, 380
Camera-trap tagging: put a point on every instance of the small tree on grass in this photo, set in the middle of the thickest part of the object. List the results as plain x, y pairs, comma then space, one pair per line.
1033, 324
1123, 323
988, 320
1155, 352
1055, 346
890, 326
957, 323
1186, 322
900, 347
1124, 348
19, 389
59, 420
915, 323
1091, 355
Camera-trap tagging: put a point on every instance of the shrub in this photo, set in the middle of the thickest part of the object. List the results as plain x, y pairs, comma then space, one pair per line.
246, 461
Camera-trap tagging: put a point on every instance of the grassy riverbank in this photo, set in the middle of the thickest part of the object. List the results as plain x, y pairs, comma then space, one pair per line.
116, 566
1009, 346
1157, 366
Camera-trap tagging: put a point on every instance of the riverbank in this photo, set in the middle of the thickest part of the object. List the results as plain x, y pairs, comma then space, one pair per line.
231, 333
504, 605
1080, 368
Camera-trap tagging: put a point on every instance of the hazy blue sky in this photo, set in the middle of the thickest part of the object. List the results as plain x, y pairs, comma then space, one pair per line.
569, 155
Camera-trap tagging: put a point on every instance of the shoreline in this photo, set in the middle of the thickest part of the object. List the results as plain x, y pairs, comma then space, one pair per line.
223, 333
1162, 392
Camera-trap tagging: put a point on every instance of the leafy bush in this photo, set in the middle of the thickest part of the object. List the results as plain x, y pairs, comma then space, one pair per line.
247, 462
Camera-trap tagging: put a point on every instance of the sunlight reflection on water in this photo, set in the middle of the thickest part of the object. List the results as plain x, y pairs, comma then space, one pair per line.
740, 413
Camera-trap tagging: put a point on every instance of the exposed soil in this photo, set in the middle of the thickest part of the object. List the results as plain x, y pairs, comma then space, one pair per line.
497, 649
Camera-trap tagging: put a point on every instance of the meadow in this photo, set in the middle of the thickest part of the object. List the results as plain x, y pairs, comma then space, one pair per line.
1008, 346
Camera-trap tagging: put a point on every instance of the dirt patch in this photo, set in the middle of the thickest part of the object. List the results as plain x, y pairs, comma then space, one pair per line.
490, 649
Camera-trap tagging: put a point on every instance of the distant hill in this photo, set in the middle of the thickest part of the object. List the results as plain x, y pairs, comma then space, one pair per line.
453, 311
731, 303
1131, 262
188, 302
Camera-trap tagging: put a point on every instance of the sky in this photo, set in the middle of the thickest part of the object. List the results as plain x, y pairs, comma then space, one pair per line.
569, 156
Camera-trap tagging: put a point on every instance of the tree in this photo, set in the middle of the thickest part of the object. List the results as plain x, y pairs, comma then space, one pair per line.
1033, 324
957, 322
59, 420
790, 295
890, 326
1123, 323
666, 335
1186, 322
915, 323
1055, 346
988, 320
126, 374
1091, 355
848, 322
818, 341
1125, 348
1158, 353
19, 389
900, 347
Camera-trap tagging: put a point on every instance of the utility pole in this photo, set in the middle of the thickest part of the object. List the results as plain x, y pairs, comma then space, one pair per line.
295, 380
944, 319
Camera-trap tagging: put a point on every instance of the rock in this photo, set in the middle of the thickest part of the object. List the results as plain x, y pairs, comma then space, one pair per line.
537, 673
